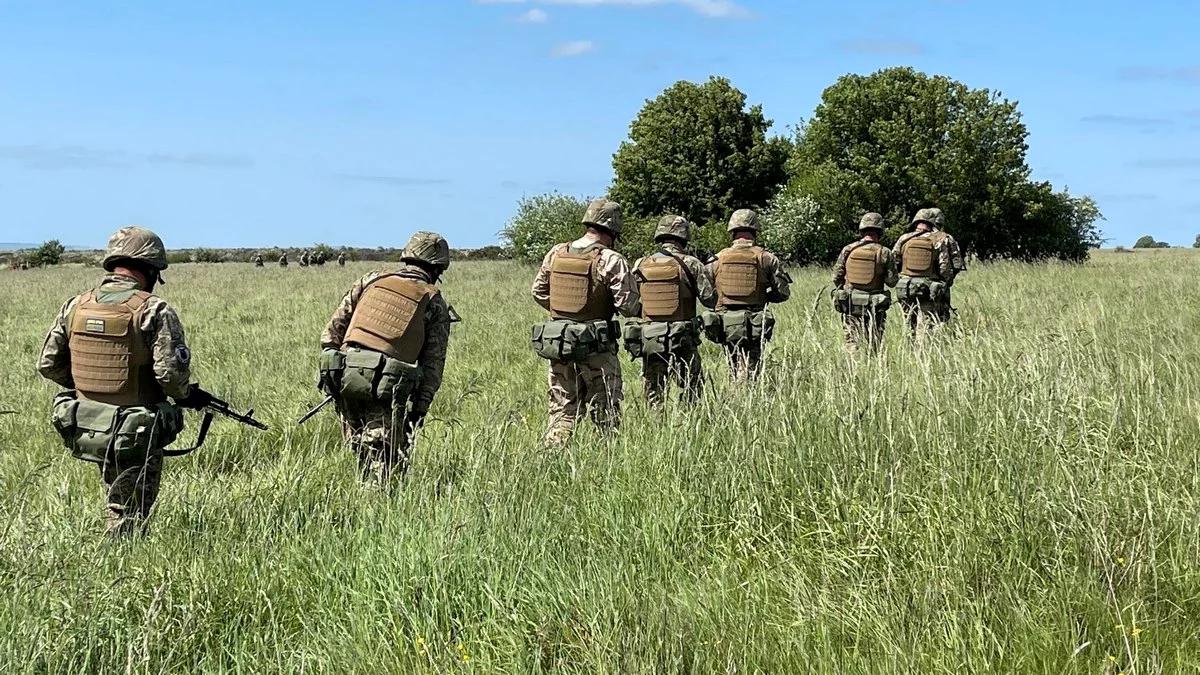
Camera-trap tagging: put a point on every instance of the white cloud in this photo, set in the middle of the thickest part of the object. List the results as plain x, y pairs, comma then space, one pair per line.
534, 15
717, 9
573, 48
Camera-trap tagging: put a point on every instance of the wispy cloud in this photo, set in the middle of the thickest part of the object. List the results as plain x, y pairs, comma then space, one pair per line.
715, 9
1133, 121
1182, 74
534, 15
1166, 163
394, 181
572, 49
66, 157
879, 46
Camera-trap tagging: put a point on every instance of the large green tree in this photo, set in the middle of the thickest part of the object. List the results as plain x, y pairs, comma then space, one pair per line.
899, 140
697, 150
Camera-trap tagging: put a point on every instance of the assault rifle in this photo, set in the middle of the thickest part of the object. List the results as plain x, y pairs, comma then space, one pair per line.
316, 409
200, 400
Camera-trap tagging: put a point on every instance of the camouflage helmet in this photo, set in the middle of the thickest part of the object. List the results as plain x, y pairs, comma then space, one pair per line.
744, 219
676, 227
429, 248
135, 243
871, 221
605, 213
932, 216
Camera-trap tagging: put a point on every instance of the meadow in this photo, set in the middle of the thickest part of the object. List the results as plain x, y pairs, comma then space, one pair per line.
1021, 494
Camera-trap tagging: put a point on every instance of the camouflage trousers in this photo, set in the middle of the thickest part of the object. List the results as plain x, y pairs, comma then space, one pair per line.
382, 449
745, 360
131, 488
866, 330
683, 366
926, 315
592, 385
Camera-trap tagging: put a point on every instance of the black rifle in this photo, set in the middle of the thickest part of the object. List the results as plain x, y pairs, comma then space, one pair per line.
316, 409
200, 400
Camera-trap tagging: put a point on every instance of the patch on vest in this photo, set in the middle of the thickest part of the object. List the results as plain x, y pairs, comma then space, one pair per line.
183, 355
94, 326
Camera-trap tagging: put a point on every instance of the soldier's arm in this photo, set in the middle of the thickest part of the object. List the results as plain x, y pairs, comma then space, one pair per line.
432, 358
541, 282
54, 364
839, 269
706, 292
950, 259
781, 284
891, 272
172, 358
621, 283
897, 256
335, 331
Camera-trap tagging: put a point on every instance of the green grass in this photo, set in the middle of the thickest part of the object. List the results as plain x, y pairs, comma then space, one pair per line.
1020, 496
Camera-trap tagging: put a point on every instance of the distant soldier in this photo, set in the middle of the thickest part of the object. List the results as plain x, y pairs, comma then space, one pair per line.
258, 260
283, 261
304, 258
341, 260
863, 272
929, 260
318, 259
383, 355
583, 284
121, 350
668, 338
747, 278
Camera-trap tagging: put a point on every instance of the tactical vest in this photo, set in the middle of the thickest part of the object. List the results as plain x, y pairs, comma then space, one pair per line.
110, 360
919, 258
667, 294
390, 317
740, 280
864, 268
575, 291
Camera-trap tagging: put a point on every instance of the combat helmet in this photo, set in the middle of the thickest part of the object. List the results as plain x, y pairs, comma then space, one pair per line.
430, 248
871, 221
744, 219
673, 227
604, 213
932, 216
135, 243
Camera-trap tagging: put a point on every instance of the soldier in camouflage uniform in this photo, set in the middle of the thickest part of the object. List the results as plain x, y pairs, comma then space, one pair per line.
304, 258
863, 272
402, 316
747, 277
929, 260
587, 282
283, 261
258, 260
670, 282
341, 260
120, 345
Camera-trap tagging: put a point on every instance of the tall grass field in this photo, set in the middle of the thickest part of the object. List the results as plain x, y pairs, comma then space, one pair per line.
1019, 495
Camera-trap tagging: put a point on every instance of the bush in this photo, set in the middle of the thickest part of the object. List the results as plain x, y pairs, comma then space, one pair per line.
541, 222
1148, 242
793, 228
49, 253
207, 255
1196, 244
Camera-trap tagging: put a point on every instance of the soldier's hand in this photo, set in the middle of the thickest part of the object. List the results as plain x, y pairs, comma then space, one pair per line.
196, 398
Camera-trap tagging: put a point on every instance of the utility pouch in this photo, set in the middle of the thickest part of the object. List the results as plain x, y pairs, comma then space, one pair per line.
736, 326
762, 326
841, 300
670, 337
631, 336
359, 376
564, 340
713, 326
397, 380
96, 431
911, 289
330, 367
938, 291
654, 338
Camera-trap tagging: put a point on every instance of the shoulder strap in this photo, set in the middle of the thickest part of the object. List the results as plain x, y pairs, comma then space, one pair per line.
686, 270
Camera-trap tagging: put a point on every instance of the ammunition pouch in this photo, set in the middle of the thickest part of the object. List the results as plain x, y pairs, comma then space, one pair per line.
631, 337
913, 289
329, 371
368, 378
861, 303
664, 338
99, 432
566, 340
739, 327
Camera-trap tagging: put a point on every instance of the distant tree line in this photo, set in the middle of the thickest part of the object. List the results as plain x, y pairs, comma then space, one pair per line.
893, 142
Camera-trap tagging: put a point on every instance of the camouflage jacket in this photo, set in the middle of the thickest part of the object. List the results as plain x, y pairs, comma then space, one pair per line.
891, 273
949, 257
613, 270
432, 358
160, 324
779, 283
705, 292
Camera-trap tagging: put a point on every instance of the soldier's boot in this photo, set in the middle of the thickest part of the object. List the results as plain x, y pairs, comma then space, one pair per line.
121, 522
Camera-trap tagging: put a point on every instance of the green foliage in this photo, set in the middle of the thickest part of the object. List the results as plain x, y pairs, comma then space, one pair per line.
1148, 241
207, 255
697, 151
899, 140
49, 253
541, 222
322, 249
793, 228
1196, 244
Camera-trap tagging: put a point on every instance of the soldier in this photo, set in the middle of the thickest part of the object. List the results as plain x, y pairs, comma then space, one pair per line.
121, 349
928, 260
258, 260
383, 355
304, 258
747, 277
583, 284
342, 259
670, 282
861, 276
283, 261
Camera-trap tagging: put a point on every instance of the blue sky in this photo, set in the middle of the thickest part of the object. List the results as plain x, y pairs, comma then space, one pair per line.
247, 124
